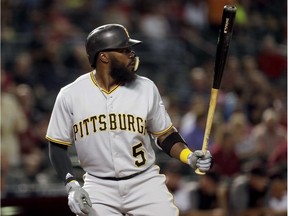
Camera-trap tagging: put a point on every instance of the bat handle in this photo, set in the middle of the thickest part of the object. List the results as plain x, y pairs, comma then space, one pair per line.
204, 150
211, 111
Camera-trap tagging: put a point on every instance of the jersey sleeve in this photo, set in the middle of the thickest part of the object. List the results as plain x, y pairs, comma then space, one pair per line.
158, 119
60, 128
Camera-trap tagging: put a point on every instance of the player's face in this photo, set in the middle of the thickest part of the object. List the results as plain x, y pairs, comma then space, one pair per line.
122, 66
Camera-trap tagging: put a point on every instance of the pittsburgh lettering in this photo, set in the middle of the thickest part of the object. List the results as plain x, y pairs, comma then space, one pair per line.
110, 122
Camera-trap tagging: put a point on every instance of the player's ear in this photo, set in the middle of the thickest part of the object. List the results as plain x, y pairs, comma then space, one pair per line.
103, 57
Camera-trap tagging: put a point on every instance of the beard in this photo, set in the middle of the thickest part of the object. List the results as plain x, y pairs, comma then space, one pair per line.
120, 73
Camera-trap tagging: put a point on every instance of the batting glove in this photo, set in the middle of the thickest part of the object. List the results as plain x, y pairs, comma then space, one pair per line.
197, 159
78, 199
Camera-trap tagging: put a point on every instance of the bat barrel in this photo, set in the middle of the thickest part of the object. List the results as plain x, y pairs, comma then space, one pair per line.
224, 38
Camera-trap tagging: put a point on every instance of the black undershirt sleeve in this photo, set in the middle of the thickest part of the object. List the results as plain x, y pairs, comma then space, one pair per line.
60, 160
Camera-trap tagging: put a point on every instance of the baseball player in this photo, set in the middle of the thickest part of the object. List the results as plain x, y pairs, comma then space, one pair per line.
110, 114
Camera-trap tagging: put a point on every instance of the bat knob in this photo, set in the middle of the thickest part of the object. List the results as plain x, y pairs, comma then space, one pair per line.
197, 171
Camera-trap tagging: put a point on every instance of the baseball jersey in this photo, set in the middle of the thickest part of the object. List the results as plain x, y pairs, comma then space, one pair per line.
111, 130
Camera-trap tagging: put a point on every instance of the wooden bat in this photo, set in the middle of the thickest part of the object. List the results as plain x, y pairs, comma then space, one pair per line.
223, 43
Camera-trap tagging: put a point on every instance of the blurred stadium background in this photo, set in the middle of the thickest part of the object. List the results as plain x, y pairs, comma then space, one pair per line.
42, 49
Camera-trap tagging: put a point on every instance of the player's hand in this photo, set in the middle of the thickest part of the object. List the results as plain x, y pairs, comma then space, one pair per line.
197, 159
78, 199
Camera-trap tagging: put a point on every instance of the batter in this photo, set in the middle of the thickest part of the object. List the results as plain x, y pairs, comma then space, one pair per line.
110, 114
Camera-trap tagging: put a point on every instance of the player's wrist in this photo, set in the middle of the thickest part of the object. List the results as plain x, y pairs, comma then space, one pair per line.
72, 184
70, 181
184, 155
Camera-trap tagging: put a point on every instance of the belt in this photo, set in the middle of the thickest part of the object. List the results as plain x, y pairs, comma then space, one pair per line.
120, 178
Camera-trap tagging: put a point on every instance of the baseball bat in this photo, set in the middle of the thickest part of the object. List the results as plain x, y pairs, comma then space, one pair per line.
223, 43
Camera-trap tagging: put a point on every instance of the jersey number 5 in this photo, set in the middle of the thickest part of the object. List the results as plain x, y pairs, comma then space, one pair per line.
139, 154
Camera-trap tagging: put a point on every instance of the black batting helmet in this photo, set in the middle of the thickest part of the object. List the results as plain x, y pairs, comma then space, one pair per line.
110, 36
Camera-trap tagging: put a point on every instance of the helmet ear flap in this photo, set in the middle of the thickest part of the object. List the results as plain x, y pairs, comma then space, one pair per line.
92, 60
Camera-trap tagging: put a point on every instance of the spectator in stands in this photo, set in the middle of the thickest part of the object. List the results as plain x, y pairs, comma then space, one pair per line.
278, 157
26, 97
30, 172
197, 83
153, 22
232, 88
268, 135
195, 14
248, 193
188, 120
13, 123
207, 197
195, 198
271, 61
257, 90
240, 127
23, 70
224, 150
277, 198
194, 137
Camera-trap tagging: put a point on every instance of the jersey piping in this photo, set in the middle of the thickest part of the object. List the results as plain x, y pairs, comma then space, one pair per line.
95, 82
58, 141
163, 131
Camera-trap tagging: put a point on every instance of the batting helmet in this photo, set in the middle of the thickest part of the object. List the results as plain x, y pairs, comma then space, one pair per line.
110, 36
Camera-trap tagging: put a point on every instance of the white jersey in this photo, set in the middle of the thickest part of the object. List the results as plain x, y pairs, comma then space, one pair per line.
111, 130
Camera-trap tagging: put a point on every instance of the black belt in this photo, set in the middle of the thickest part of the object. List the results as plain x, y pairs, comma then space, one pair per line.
120, 178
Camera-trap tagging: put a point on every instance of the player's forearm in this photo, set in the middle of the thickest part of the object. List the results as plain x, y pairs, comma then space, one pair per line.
178, 153
174, 145
60, 160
